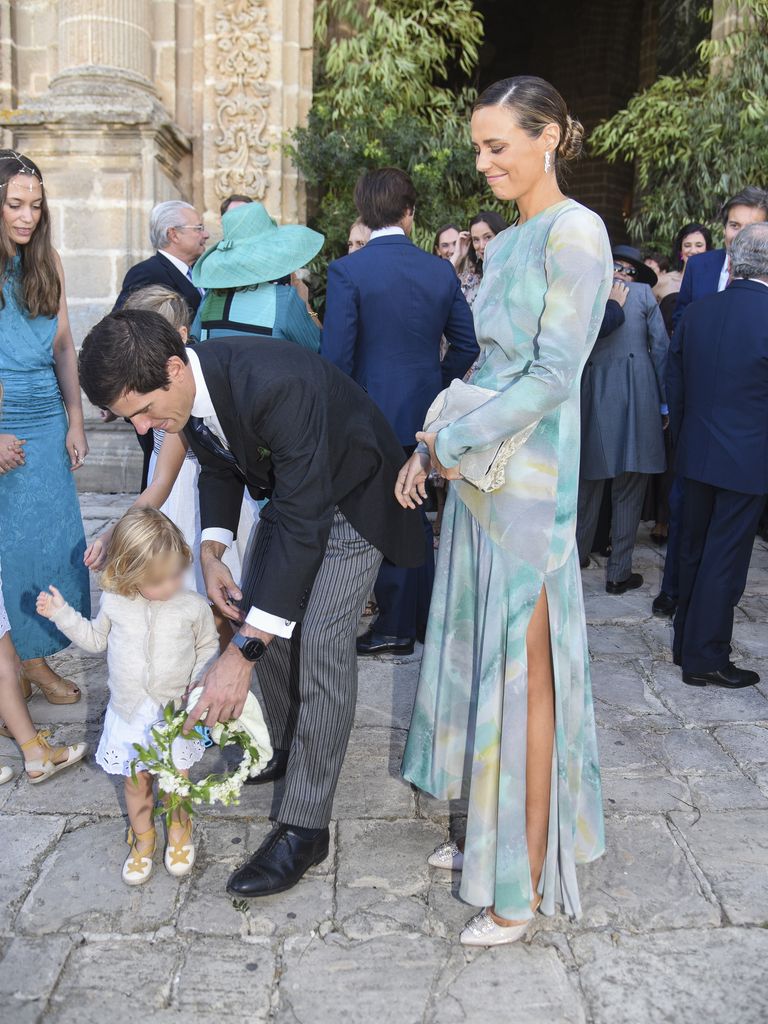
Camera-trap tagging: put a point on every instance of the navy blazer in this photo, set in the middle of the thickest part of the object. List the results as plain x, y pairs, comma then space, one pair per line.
701, 277
717, 389
159, 270
387, 307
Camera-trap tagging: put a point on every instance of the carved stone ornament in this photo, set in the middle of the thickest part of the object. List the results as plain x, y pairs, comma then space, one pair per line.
242, 97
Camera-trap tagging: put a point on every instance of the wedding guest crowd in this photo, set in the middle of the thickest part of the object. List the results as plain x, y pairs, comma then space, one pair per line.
294, 478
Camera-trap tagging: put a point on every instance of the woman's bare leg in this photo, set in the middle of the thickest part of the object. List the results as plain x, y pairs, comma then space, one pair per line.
13, 707
541, 738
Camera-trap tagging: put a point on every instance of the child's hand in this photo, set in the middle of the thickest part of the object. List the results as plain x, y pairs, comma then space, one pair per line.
49, 604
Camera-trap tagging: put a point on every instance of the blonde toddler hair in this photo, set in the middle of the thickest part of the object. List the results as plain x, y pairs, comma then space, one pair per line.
142, 539
155, 298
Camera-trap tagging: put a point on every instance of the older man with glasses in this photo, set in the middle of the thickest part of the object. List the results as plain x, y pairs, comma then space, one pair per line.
623, 416
178, 236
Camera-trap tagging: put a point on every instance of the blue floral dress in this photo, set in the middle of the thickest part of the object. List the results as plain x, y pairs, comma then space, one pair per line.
41, 532
537, 315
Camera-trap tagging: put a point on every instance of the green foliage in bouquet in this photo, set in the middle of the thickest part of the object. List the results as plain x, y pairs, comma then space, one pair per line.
179, 792
382, 97
698, 137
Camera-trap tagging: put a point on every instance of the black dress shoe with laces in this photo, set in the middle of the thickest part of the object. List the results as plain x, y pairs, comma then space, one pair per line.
372, 642
664, 606
280, 862
632, 582
275, 769
731, 678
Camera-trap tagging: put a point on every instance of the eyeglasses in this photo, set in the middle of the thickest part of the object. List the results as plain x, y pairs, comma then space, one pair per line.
620, 268
194, 227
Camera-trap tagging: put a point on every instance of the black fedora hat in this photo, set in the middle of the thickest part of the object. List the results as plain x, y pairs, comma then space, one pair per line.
631, 255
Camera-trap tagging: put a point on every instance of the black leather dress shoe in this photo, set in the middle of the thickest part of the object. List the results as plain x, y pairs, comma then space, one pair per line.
275, 769
278, 864
664, 606
731, 677
632, 582
372, 642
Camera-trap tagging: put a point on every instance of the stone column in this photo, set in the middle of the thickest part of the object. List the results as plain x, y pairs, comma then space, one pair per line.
108, 150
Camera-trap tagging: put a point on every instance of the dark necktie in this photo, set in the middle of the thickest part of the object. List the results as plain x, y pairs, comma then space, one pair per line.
208, 440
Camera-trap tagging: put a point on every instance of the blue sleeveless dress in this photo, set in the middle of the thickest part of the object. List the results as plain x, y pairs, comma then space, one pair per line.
41, 531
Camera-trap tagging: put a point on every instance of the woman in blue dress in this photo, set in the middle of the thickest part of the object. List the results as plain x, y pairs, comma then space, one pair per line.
503, 710
41, 532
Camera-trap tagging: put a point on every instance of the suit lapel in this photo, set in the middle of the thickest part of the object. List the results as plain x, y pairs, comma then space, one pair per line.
178, 281
220, 390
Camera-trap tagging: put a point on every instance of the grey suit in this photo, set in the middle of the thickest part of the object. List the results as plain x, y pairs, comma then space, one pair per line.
622, 440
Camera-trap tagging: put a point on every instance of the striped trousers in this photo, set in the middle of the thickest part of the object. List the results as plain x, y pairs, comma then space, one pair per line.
309, 682
627, 495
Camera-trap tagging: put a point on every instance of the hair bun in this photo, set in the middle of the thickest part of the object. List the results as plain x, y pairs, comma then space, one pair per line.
573, 139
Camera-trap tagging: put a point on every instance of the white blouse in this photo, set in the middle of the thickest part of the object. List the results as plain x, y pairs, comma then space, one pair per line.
154, 648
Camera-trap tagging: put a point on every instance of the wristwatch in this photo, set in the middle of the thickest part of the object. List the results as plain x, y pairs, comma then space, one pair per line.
250, 647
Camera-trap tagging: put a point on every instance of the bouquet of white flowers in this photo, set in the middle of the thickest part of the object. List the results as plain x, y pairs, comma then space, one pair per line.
248, 732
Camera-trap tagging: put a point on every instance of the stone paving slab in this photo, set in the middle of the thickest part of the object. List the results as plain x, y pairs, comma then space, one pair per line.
684, 977
675, 915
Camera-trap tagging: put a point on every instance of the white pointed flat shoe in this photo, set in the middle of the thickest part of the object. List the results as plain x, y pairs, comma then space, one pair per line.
447, 857
6, 774
179, 857
482, 930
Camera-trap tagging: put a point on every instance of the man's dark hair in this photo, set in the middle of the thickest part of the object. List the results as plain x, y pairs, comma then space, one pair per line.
384, 196
749, 196
659, 258
127, 351
233, 199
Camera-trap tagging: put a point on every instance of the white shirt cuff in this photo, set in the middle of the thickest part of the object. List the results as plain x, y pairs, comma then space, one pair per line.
218, 534
270, 623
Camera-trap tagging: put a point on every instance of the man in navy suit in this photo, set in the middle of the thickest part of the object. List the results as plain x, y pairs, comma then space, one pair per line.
179, 236
717, 388
705, 274
388, 306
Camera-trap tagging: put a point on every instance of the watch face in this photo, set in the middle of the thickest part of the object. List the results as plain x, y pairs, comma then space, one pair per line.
252, 648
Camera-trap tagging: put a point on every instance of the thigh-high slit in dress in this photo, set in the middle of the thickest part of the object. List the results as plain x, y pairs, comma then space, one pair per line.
537, 314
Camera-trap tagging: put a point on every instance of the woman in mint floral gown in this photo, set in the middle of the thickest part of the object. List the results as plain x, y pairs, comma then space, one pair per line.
503, 712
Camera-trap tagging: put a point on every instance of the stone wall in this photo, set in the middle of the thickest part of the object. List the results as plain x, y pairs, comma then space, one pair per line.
125, 103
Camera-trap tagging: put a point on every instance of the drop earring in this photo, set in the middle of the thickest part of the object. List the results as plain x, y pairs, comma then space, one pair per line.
547, 162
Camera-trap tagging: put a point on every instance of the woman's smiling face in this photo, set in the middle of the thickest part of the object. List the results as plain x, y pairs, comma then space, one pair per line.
22, 207
510, 159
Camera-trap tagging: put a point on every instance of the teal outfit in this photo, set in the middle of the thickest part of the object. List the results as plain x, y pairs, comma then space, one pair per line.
41, 531
537, 314
274, 310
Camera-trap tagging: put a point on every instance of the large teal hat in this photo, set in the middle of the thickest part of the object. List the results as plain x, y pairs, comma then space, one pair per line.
254, 249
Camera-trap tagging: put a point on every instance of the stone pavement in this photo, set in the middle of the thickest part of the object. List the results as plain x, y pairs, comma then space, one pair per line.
675, 924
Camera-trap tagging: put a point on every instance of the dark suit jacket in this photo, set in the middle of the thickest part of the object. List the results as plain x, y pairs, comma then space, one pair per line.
717, 388
305, 434
159, 270
701, 277
387, 307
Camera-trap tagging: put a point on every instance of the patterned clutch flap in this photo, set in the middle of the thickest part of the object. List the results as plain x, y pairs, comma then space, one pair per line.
481, 467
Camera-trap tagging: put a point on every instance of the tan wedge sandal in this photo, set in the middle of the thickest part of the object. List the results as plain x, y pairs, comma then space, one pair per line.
55, 759
138, 866
58, 691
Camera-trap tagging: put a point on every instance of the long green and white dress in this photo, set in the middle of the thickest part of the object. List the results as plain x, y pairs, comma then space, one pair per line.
537, 315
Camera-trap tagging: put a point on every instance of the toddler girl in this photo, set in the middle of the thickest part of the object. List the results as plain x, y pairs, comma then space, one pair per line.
159, 639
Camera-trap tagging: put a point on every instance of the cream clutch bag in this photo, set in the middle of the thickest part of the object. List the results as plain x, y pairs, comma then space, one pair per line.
483, 467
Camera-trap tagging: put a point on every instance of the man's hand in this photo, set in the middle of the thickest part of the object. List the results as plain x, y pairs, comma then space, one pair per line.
410, 489
619, 292
219, 584
225, 685
429, 440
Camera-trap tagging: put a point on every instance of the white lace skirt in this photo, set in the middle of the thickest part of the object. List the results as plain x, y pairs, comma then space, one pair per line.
116, 750
5, 626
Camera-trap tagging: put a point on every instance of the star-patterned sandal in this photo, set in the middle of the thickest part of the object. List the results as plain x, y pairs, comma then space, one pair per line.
179, 857
138, 866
